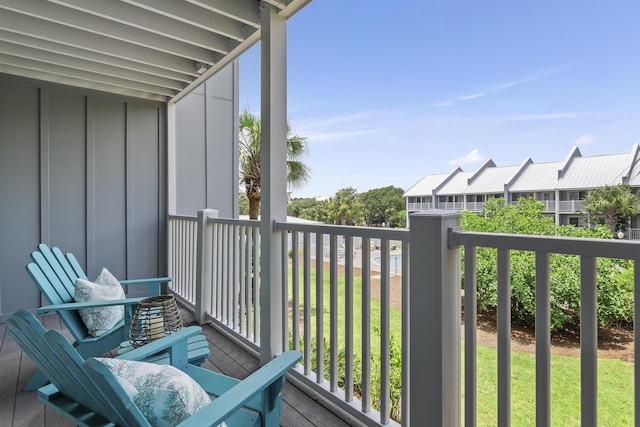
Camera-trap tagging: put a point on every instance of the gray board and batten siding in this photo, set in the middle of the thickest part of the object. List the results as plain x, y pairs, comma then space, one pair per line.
88, 172
207, 147
82, 171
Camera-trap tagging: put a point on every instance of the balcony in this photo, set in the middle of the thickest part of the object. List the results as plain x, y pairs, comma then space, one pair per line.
326, 297
419, 206
571, 206
333, 293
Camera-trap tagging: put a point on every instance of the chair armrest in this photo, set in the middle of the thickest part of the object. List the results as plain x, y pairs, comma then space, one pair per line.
145, 281
235, 398
153, 285
81, 305
156, 346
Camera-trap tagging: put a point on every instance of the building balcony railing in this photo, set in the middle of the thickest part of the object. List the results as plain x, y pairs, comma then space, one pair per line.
419, 206
564, 206
329, 314
571, 206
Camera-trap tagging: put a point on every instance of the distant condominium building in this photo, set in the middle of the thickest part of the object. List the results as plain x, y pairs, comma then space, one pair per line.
562, 186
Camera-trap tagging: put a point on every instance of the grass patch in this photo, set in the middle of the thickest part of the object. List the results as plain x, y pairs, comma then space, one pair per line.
615, 377
375, 312
615, 390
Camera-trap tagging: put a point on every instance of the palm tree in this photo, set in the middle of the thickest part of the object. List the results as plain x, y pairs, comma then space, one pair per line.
298, 174
346, 208
614, 204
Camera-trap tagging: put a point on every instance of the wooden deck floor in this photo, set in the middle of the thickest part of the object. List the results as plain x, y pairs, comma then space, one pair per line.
19, 408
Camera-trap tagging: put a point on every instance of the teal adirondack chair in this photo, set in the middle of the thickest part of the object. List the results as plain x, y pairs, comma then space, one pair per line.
87, 393
55, 275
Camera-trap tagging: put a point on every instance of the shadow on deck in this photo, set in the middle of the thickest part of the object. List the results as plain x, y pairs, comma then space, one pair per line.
19, 408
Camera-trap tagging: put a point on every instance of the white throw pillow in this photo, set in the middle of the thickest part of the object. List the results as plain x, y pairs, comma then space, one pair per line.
166, 396
100, 320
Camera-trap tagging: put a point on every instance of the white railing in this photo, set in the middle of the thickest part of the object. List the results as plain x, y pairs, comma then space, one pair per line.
225, 287
474, 206
182, 233
331, 268
318, 251
571, 206
419, 206
588, 250
451, 206
634, 233
549, 205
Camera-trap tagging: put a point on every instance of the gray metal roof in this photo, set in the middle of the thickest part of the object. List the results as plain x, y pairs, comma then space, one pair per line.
634, 176
492, 180
153, 49
594, 172
537, 177
426, 185
579, 173
456, 185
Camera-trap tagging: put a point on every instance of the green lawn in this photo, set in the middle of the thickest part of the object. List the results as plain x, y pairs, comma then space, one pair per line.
615, 390
615, 377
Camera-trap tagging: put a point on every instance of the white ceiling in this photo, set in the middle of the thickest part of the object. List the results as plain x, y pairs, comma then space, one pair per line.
153, 49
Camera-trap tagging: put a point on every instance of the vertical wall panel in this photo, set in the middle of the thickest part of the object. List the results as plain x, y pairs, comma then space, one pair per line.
143, 189
67, 172
207, 137
222, 141
86, 172
191, 154
108, 193
19, 193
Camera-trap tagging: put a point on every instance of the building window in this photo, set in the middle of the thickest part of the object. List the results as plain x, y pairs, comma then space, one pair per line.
574, 221
577, 195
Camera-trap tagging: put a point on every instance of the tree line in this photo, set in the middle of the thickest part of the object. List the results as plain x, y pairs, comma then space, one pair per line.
380, 207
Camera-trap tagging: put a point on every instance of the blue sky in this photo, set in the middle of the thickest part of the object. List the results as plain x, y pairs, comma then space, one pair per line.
387, 92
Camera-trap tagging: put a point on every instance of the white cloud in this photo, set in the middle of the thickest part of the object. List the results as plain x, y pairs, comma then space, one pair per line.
472, 157
501, 86
585, 140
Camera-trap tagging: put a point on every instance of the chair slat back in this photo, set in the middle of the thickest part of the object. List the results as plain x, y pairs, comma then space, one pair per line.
75, 266
29, 334
72, 273
63, 366
48, 285
114, 394
90, 394
55, 290
52, 261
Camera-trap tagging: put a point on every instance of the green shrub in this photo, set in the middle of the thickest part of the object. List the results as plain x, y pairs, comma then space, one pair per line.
395, 373
614, 277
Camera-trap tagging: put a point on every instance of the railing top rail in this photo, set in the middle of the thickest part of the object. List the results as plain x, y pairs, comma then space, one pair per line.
607, 248
400, 234
233, 221
183, 217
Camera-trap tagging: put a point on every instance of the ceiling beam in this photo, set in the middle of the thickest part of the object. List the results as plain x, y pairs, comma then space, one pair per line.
197, 16
29, 26
245, 11
75, 82
96, 57
293, 7
88, 66
129, 15
251, 41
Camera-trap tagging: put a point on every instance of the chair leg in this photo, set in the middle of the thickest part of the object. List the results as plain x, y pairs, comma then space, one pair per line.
36, 381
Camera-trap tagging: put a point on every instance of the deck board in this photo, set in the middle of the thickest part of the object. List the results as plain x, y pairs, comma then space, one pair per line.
19, 408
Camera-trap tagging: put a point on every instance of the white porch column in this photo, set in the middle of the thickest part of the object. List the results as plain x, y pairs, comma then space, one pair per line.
434, 313
557, 216
273, 177
204, 253
171, 158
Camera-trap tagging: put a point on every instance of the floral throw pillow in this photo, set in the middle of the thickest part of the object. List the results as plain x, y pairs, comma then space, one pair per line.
106, 287
165, 395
